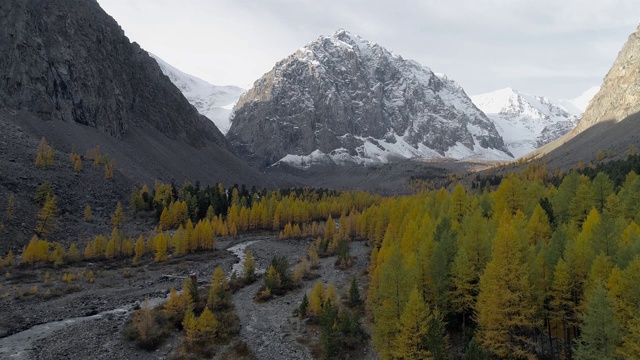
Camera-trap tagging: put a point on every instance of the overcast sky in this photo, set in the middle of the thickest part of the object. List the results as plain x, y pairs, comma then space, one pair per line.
555, 48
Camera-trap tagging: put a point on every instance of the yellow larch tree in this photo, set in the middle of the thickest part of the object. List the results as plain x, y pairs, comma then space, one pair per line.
414, 327
161, 247
504, 308
88, 214
315, 299
47, 217
117, 219
207, 326
73, 254
190, 327
219, 295
139, 250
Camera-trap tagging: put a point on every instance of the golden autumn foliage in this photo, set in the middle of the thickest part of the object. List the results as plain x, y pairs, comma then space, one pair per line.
88, 214
47, 217
117, 219
11, 207
44, 154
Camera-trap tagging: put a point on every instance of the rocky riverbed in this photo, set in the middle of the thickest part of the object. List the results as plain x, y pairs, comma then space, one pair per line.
87, 322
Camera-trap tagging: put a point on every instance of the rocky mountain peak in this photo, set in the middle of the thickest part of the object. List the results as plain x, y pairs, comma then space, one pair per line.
356, 102
619, 95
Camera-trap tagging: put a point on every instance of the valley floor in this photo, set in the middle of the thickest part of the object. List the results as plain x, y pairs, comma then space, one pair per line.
87, 319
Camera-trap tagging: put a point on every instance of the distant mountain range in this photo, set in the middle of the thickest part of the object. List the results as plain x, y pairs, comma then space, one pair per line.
214, 102
527, 122
345, 100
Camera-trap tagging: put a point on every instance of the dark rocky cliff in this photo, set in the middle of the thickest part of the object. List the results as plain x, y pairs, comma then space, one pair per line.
69, 62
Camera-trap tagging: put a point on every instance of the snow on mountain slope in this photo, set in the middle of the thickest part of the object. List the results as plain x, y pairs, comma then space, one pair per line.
580, 103
214, 102
346, 100
525, 121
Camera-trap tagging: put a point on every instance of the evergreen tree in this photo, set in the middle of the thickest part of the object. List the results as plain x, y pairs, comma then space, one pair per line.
354, 294
304, 305
538, 229
562, 306
99, 246
437, 340
474, 351
601, 188
329, 229
630, 348
192, 289
77, 164
313, 257
328, 334
600, 332
9, 260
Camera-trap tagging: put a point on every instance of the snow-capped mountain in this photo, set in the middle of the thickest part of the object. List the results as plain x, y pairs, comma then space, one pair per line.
580, 103
214, 102
525, 121
342, 99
